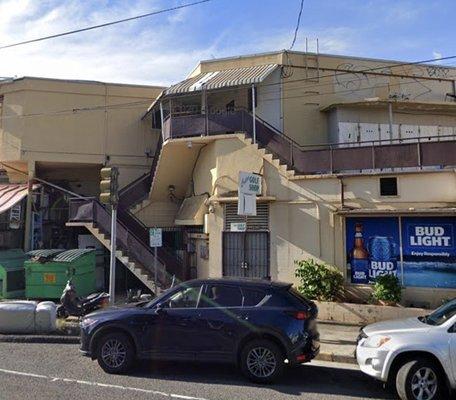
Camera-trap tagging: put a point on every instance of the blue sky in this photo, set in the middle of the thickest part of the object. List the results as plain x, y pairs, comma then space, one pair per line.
163, 49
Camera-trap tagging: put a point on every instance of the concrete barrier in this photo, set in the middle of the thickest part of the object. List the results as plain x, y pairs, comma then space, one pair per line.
362, 314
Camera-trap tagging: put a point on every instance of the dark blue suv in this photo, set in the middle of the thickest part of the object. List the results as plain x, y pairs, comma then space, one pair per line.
261, 326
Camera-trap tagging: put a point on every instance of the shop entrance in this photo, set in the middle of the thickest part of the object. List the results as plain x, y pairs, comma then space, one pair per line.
246, 254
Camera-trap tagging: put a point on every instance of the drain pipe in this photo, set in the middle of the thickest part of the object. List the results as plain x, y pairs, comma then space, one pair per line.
390, 118
342, 192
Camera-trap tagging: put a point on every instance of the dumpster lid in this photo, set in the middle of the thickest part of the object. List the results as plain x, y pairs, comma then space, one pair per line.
71, 255
45, 252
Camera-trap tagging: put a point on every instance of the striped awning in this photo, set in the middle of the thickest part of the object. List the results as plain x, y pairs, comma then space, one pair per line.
11, 194
224, 78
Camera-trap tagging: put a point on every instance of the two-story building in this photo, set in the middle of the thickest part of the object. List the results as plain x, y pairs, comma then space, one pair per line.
347, 148
55, 135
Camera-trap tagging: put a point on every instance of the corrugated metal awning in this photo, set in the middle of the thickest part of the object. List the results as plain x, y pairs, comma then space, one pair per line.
224, 78
11, 194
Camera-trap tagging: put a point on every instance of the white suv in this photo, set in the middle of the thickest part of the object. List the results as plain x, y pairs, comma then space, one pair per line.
418, 355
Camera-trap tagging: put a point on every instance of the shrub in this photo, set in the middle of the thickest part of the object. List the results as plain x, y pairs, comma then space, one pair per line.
387, 288
318, 281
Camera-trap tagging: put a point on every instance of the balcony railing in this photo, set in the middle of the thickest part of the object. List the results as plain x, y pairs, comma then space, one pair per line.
321, 158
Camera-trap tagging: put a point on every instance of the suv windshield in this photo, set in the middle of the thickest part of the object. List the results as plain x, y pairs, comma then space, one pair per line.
441, 315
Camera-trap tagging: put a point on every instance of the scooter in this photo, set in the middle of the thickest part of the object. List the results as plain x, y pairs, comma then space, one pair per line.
76, 306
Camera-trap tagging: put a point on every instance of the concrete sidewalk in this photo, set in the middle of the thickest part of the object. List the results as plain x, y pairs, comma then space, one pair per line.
337, 342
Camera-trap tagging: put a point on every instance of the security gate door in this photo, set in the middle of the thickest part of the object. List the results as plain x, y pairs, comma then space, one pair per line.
246, 254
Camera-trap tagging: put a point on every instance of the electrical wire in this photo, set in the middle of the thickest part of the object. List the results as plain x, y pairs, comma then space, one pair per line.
298, 23
103, 25
415, 79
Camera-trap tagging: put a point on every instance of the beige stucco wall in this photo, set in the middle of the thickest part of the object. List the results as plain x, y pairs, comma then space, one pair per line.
303, 215
46, 120
312, 82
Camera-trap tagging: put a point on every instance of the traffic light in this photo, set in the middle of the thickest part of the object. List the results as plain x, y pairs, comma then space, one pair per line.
109, 185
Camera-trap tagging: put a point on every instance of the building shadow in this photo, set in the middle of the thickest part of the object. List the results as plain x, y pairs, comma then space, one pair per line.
297, 381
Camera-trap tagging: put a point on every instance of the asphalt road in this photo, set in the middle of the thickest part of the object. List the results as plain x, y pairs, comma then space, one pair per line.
57, 371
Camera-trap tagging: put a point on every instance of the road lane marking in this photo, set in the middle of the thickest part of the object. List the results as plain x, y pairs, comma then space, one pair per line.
99, 384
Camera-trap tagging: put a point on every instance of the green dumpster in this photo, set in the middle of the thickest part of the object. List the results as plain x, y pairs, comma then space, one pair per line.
46, 277
12, 282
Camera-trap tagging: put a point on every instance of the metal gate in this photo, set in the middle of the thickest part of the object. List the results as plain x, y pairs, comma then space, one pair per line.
246, 254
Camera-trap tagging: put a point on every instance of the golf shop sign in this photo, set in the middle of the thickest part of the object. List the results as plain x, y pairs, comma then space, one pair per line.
249, 187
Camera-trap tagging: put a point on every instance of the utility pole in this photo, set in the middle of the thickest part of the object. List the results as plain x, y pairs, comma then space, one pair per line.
109, 194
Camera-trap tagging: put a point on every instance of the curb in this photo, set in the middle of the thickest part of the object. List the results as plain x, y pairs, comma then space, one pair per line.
331, 357
51, 339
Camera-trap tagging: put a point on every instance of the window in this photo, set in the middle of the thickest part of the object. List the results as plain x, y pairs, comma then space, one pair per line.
187, 297
222, 296
252, 297
388, 186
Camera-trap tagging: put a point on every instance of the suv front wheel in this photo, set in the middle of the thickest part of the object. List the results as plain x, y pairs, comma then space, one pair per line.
420, 379
115, 353
262, 361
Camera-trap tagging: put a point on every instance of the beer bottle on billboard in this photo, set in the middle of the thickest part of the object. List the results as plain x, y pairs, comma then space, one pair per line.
359, 257
359, 251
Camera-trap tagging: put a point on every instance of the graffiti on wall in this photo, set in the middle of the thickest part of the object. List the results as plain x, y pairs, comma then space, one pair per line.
410, 88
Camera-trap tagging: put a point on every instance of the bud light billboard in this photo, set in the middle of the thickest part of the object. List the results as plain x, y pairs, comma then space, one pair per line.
372, 246
428, 251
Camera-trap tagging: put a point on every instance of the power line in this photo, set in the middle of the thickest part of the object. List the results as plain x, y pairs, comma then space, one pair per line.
414, 80
297, 25
103, 25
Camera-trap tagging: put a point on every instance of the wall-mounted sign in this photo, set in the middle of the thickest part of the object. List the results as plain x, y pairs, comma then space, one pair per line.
372, 248
249, 187
249, 183
155, 237
238, 227
424, 255
15, 216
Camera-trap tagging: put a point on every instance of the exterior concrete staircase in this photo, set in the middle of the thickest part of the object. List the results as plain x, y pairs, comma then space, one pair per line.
133, 266
269, 156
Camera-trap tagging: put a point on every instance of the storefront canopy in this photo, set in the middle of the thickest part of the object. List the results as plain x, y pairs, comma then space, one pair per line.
224, 78
11, 194
450, 211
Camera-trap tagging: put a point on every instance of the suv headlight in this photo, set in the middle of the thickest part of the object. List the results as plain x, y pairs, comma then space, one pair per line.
376, 341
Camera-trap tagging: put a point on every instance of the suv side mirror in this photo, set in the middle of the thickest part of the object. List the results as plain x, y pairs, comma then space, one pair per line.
160, 309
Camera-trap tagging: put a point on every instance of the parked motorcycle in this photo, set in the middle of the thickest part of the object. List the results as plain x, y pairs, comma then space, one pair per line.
76, 306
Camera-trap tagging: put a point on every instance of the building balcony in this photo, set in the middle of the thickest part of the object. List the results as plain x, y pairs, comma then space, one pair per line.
412, 153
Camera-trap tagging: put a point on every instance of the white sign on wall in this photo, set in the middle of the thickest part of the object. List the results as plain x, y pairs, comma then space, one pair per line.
249, 183
238, 227
155, 237
249, 187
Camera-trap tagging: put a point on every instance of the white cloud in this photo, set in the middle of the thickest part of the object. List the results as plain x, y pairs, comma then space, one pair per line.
153, 51
437, 54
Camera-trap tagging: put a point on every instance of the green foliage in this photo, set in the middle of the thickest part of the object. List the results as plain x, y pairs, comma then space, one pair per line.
387, 288
318, 281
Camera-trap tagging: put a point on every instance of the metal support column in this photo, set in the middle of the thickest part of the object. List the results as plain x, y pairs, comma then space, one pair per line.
254, 113
162, 120
28, 234
112, 264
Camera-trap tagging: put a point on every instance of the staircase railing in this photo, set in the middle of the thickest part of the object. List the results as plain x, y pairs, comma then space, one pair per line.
90, 210
322, 158
139, 189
